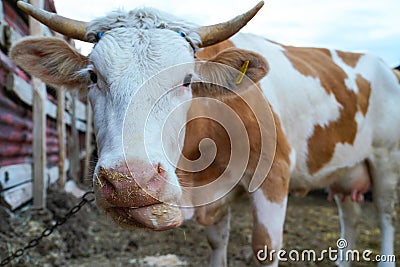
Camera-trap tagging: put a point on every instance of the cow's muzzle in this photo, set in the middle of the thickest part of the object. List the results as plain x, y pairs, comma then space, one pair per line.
135, 197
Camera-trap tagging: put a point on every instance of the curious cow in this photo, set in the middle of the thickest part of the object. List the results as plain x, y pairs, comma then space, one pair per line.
181, 133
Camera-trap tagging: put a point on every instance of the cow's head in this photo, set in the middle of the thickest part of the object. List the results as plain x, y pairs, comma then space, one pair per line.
124, 76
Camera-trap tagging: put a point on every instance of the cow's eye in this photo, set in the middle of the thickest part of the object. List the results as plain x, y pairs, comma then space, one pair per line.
187, 80
93, 76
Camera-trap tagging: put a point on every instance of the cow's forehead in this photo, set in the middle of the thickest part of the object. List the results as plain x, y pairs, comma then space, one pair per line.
138, 44
135, 55
141, 18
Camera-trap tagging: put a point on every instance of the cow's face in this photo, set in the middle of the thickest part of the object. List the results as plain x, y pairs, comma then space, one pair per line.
140, 80
137, 74
134, 79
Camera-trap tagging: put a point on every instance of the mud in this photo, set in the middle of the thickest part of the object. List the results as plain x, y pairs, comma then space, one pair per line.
89, 239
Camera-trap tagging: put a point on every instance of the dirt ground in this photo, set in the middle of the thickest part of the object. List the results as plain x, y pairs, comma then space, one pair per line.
88, 239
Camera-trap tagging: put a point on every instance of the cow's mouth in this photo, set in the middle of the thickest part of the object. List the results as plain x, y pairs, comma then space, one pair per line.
157, 217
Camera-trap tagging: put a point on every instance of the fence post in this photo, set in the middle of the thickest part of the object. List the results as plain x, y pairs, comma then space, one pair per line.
74, 142
61, 129
88, 139
39, 126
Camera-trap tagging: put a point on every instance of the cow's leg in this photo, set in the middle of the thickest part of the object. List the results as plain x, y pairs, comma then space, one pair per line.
268, 220
349, 214
385, 168
218, 238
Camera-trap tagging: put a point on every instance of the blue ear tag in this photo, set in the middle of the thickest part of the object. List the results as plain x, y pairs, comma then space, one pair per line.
181, 33
99, 35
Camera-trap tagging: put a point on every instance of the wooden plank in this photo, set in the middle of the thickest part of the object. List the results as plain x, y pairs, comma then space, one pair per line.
20, 88
14, 175
68, 102
53, 173
74, 144
75, 106
39, 144
39, 125
17, 196
80, 109
23, 90
80, 126
68, 118
1, 13
20, 176
50, 109
61, 130
8, 35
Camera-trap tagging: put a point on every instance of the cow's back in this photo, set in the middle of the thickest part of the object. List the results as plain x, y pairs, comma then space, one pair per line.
335, 107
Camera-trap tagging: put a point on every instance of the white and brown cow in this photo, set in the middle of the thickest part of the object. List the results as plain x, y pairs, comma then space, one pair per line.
336, 114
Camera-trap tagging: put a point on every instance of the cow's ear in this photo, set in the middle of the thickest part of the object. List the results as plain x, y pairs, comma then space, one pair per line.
252, 64
52, 60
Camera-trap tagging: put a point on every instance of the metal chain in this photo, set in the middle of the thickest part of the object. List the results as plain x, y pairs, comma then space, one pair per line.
49, 230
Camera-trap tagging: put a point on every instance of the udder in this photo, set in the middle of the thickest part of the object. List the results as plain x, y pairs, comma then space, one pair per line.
354, 182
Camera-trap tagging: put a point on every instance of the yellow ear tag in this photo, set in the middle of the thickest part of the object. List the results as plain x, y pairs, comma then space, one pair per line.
243, 70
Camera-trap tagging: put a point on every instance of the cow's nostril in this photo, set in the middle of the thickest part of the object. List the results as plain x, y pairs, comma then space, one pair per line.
160, 169
108, 188
121, 190
104, 184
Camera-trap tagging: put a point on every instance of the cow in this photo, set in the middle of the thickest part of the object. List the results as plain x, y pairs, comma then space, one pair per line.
312, 117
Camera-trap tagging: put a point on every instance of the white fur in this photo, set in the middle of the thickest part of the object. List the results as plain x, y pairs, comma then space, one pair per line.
271, 215
290, 92
136, 91
296, 99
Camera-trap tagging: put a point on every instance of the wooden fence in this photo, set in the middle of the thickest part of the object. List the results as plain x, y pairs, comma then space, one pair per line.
45, 133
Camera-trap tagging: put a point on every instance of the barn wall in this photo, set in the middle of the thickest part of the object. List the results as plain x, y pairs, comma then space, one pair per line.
16, 123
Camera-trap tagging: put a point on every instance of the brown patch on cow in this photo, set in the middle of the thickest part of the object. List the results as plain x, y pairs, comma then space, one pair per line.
201, 128
213, 50
260, 239
351, 59
364, 92
276, 186
314, 62
307, 60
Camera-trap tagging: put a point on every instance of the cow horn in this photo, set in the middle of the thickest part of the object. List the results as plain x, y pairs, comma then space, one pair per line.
72, 28
219, 32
